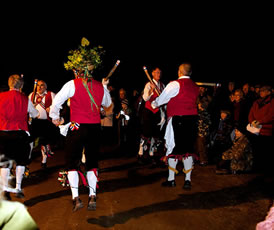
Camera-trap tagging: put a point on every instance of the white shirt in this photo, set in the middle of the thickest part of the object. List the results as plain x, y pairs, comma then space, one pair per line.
146, 95
170, 91
32, 111
42, 111
67, 92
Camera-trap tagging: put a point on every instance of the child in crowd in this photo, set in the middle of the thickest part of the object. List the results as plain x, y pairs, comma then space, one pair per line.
220, 137
204, 123
238, 158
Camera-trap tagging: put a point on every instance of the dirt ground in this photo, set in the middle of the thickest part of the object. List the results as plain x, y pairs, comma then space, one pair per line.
130, 196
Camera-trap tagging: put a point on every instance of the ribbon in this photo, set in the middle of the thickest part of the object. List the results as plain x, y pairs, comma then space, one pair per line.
74, 126
90, 95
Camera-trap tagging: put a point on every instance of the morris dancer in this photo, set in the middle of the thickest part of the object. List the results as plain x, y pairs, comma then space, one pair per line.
152, 119
181, 131
14, 135
42, 126
86, 98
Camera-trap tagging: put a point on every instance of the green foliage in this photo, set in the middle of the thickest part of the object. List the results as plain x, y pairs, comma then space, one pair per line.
79, 59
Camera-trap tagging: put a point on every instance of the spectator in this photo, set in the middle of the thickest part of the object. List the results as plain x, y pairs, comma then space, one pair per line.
261, 117
238, 158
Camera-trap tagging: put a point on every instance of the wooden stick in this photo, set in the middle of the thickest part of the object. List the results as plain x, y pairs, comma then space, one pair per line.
149, 78
112, 70
208, 84
34, 90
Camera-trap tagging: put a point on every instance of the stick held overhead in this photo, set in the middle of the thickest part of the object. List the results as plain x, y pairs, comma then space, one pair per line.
112, 70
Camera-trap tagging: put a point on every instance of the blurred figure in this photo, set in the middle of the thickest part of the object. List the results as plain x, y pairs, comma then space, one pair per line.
13, 215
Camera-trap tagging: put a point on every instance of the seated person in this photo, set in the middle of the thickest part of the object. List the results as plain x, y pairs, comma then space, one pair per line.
238, 158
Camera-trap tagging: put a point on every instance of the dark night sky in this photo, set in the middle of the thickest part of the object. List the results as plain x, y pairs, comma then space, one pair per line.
221, 45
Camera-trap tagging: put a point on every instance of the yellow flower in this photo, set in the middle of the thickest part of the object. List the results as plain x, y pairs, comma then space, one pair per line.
84, 42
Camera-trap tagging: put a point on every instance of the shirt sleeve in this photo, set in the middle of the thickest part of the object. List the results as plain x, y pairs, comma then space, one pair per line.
64, 94
170, 91
146, 95
106, 98
31, 110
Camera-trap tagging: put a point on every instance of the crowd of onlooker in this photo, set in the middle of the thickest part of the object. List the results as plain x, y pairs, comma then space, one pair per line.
235, 125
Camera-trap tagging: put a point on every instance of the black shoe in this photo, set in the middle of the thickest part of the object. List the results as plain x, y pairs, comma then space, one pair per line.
92, 203
6, 195
44, 165
77, 204
187, 185
169, 183
20, 194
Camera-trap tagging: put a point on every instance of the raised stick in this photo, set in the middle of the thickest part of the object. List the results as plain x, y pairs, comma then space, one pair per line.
112, 70
149, 78
34, 90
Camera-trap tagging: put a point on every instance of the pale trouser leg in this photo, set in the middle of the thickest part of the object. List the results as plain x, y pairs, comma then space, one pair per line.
172, 163
5, 173
73, 179
92, 182
188, 163
20, 170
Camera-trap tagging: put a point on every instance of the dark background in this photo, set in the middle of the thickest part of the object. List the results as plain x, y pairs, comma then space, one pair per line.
224, 43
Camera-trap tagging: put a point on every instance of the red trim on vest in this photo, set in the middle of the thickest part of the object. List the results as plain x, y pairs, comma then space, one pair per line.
153, 97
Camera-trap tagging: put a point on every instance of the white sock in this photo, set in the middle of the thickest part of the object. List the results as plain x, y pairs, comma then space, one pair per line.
151, 149
44, 155
5, 173
172, 163
92, 182
188, 163
73, 179
20, 170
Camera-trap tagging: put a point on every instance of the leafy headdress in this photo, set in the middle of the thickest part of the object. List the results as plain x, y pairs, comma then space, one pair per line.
84, 59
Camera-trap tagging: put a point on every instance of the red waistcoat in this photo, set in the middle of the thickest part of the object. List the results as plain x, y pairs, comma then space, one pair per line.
13, 111
184, 103
80, 104
153, 97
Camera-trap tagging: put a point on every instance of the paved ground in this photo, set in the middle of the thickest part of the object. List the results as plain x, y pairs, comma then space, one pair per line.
131, 197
